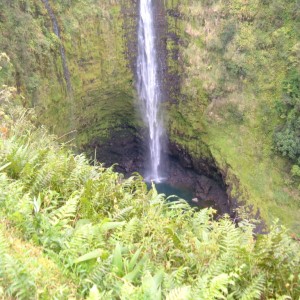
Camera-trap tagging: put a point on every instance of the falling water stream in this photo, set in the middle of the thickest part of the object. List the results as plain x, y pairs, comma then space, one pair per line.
148, 88
56, 31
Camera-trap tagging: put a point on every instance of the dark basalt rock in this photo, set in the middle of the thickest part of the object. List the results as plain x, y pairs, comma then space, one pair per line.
201, 177
124, 149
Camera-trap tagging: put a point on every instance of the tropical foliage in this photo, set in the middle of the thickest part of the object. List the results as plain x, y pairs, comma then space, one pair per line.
100, 236
287, 137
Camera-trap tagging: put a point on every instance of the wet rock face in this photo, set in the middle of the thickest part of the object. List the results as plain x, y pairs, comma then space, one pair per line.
129, 148
124, 149
201, 177
206, 166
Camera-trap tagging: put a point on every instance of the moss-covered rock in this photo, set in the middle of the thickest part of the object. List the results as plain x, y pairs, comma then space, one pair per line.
92, 35
234, 56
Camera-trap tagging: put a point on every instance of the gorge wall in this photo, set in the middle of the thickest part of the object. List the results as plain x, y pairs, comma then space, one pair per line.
217, 59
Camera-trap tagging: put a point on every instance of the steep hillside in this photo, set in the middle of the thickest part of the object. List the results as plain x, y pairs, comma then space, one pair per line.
231, 79
101, 98
239, 62
70, 230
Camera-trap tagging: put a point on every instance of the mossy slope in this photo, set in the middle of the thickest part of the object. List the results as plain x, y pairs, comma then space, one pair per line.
93, 38
235, 56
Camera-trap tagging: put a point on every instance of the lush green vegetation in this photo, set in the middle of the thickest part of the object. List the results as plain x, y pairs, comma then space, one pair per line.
238, 62
93, 37
287, 138
71, 229
240, 97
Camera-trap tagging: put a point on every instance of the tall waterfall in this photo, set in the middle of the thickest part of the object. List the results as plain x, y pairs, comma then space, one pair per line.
56, 31
148, 87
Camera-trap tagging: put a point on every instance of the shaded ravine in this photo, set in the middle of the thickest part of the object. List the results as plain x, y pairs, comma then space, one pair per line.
201, 180
126, 148
56, 31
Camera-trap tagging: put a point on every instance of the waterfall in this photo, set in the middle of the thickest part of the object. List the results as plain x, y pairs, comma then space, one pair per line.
56, 31
148, 87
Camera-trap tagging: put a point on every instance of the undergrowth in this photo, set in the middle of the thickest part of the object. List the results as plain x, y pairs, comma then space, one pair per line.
114, 239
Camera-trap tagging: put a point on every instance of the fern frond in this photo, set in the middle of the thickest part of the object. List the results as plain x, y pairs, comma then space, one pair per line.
132, 230
214, 288
66, 214
255, 289
180, 293
42, 179
122, 214
97, 275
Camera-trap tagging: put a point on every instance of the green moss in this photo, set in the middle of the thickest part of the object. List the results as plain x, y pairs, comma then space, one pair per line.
235, 60
92, 35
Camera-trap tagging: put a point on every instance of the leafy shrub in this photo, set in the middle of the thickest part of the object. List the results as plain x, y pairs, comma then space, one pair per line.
117, 240
287, 137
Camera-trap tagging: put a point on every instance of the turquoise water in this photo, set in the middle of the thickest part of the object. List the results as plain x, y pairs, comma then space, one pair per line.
186, 194
168, 190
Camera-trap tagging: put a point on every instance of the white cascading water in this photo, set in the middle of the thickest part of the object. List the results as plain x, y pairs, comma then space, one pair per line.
148, 87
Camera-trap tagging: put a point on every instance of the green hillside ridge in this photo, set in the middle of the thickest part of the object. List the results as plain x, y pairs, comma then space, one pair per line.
93, 38
239, 101
96, 235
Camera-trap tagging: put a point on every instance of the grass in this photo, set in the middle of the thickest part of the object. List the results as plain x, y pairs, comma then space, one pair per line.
262, 179
49, 279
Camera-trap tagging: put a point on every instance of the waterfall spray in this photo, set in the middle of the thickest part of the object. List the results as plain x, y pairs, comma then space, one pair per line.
148, 87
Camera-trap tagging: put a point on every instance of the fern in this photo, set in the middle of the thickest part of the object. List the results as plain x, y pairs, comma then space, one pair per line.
42, 179
117, 240
122, 214
98, 277
213, 288
131, 231
181, 293
179, 275
65, 215
15, 277
80, 241
254, 289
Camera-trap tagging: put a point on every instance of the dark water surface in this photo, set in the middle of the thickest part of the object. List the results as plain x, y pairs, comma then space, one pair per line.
182, 193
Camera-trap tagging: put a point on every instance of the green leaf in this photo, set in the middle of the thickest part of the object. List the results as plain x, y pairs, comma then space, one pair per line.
136, 268
134, 259
176, 240
90, 255
5, 166
117, 261
111, 225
